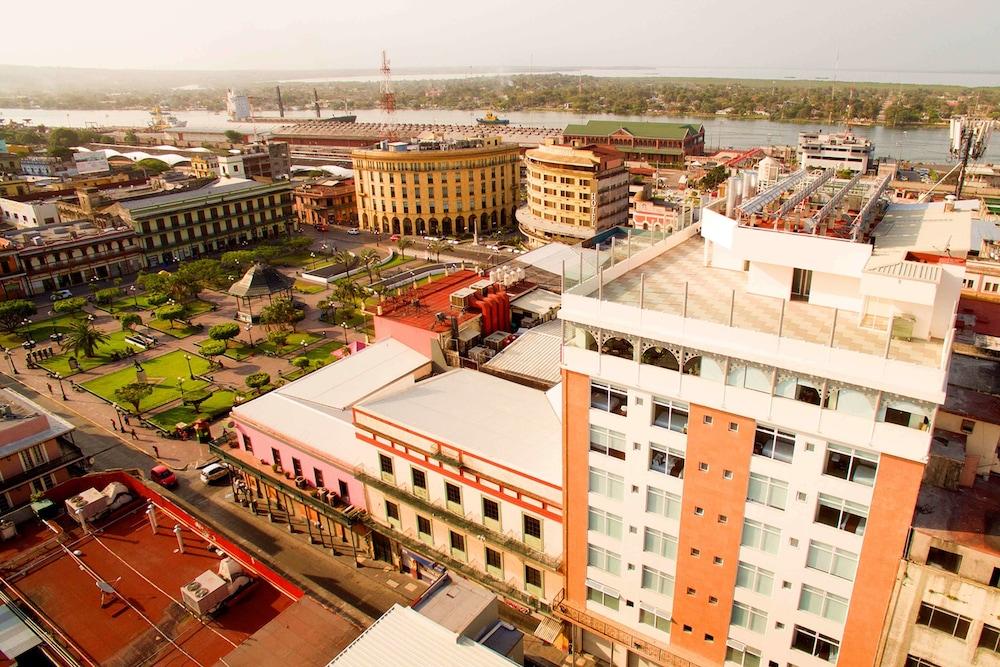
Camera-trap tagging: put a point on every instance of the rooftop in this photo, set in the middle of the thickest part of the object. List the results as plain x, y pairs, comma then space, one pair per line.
24, 423
217, 187
505, 422
534, 355
968, 517
419, 307
640, 130
261, 280
455, 603
403, 636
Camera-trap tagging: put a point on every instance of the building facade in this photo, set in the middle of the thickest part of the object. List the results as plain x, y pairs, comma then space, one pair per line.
13, 281
842, 150
573, 193
745, 431
30, 213
659, 144
436, 187
326, 202
205, 165
264, 163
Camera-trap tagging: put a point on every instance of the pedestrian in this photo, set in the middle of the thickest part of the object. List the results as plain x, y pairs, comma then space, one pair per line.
114, 425
135, 436
49, 386
127, 422
156, 452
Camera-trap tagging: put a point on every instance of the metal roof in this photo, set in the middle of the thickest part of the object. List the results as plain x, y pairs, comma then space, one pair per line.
261, 280
911, 270
535, 354
639, 129
403, 636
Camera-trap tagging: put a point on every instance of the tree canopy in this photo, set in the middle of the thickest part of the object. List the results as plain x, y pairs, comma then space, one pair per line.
13, 312
133, 394
83, 337
282, 311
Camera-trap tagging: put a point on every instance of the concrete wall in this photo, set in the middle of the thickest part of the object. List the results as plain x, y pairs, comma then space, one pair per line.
29, 214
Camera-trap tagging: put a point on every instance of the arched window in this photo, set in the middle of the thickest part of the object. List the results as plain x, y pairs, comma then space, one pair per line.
662, 357
618, 347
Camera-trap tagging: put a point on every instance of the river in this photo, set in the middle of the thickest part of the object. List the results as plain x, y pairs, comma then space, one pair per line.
927, 144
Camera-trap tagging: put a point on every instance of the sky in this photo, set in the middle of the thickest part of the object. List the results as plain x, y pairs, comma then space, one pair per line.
913, 35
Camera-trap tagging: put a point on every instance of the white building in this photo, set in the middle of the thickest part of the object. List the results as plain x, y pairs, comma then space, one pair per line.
237, 106
840, 150
26, 214
746, 416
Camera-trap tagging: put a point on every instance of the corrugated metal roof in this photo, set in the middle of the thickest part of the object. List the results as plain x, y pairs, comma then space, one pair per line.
403, 636
911, 270
534, 354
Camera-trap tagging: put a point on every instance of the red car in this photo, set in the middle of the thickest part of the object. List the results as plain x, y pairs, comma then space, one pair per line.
394, 237
163, 476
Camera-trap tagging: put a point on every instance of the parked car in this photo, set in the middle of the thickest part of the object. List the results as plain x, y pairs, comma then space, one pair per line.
453, 241
61, 294
353, 231
432, 239
394, 237
213, 472
163, 476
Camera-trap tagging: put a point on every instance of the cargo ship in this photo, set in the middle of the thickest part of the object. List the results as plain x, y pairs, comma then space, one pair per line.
491, 119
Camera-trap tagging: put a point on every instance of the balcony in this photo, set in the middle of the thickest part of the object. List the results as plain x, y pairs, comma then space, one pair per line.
503, 540
70, 455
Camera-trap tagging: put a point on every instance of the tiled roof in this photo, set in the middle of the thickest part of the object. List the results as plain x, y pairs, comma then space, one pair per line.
641, 130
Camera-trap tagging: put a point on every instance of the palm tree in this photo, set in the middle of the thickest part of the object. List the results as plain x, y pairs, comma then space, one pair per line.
83, 337
345, 258
369, 258
436, 247
348, 292
403, 243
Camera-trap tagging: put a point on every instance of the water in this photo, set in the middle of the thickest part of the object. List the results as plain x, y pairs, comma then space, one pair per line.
927, 144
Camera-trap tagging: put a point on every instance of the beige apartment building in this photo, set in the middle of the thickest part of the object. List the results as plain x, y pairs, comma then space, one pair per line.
573, 193
466, 186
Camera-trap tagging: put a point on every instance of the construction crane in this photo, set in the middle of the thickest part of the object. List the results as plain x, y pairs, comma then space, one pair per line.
388, 98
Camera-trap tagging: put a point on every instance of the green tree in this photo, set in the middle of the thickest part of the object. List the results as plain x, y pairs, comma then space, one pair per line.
154, 282
134, 394
131, 138
155, 299
63, 137
240, 260
151, 165
129, 321
224, 332
196, 398
83, 337
282, 311
369, 259
349, 293
301, 362
278, 337
347, 259
257, 380
171, 313
713, 178
437, 247
402, 244
72, 305
107, 295
12, 313
213, 349
233, 136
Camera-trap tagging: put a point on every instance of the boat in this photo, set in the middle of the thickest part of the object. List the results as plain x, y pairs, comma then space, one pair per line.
492, 119
349, 118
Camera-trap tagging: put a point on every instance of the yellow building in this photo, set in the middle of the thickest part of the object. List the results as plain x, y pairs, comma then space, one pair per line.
205, 165
436, 187
573, 193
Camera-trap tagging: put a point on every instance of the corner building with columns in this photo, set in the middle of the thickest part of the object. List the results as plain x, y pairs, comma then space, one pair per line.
748, 406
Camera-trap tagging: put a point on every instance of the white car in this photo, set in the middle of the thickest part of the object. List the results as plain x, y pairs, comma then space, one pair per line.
59, 295
432, 238
213, 472
353, 231
453, 241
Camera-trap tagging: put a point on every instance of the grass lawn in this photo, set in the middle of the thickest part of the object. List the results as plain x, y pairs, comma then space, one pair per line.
178, 330
395, 261
162, 372
293, 343
238, 350
126, 304
102, 355
305, 287
40, 330
219, 403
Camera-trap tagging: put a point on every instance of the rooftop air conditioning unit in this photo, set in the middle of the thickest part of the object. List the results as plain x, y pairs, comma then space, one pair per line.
461, 298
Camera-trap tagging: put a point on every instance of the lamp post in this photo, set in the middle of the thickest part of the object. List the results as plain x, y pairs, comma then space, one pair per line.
62, 389
180, 385
10, 360
135, 296
118, 411
344, 325
187, 358
250, 333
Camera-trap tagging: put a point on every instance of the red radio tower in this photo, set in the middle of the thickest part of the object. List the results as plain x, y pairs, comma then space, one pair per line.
388, 100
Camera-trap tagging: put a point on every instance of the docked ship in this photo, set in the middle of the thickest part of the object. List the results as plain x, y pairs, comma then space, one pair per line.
492, 119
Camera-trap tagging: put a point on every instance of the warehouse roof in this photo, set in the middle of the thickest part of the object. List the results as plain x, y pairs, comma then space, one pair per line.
642, 130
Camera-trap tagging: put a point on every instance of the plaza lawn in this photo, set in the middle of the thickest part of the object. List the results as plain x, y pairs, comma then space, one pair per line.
293, 343
178, 330
219, 403
237, 350
40, 329
306, 287
127, 304
102, 355
162, 372
396, 261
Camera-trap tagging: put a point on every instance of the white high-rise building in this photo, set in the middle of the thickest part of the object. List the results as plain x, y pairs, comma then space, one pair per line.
237, 105
835, 150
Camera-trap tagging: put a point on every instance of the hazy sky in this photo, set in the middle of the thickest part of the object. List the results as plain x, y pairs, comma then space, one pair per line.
322, 34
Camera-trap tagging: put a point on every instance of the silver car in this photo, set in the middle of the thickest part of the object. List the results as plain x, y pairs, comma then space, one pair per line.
213, 472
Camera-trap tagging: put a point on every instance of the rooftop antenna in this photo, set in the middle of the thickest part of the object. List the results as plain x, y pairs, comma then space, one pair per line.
969, 139
281, 107
316, 102
388, 97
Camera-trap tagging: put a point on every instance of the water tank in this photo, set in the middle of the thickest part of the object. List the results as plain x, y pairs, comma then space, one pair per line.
747, 189
767, 172
731, 196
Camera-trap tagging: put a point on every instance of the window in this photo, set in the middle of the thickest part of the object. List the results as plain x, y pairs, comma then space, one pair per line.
607, 442
760, 536
914, 661
608, 399
296, 467
821, 603
424, 529
798, 388
385, 467
603, 559
392, 513
276, 457
748, 617
813, 643
734, 427
661, 502
494, 563
419, 482
669, 461
491, 511
754, 578
995, 578
990, 638
754, 378
842, 514
829, 559
968, 426
453, 494
659, 582
654, 618
607, 484
742, 655
767, 491
706, 420
727, 474
946, 560
318, 478
702, 466
533, 581
602, 595
248, 444
670, 415
904, 412
605, 523
853, 465
774, 444
457, 545
532, 530
660, 543
945, 621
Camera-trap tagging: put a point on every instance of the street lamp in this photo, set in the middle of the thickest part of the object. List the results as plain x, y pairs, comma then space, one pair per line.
10, 360
135, 296
62, 389
344, 325
118, 411
180, 385
187, 358
250, 333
